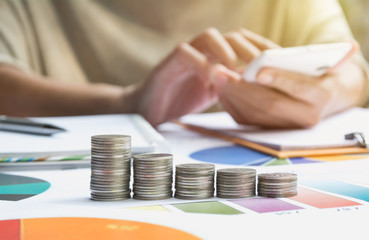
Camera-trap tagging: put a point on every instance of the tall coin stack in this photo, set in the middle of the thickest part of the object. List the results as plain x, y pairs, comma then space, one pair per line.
277, 185
236, 182
194, 181
110, 167
152, 176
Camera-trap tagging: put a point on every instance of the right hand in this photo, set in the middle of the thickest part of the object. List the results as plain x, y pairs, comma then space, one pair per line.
182, 82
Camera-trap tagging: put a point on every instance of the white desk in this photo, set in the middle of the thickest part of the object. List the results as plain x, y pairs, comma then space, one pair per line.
318, 213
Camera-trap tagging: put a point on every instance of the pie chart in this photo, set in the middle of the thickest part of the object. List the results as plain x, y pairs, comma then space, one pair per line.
78, 228
15, 188
232, 155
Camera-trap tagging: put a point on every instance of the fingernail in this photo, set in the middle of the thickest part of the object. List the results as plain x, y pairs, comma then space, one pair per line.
220, 80
230, 74
265, 78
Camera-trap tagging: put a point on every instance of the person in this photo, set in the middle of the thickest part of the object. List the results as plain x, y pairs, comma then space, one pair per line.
164, 59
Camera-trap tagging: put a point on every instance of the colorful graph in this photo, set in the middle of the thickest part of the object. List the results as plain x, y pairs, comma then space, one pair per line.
42, 159
321, 200
15, 188
86, 228
209, 207
339, 187
265, 205
315, 193
238, 155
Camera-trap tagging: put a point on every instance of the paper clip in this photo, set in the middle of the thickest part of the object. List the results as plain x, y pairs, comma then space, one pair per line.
360, 137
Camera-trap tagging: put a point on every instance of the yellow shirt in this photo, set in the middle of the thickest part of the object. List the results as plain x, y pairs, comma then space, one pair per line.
120, 42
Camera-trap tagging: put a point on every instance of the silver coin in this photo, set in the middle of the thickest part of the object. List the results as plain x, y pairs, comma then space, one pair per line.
110, 167
111, 137
236, 182
194, 181
237, 172
235, 196
277, 177
193, 196
195, 168
153, 156
277, 185
152, 176
152, 197
278, 194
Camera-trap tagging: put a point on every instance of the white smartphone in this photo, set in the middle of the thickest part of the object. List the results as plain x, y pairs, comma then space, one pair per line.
314, 60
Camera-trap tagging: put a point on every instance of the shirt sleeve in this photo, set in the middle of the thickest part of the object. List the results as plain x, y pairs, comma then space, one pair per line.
13, 35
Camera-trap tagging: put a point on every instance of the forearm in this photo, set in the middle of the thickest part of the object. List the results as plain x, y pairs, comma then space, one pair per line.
26, 95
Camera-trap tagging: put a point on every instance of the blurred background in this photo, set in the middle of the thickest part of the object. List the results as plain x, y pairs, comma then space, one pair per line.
357, 14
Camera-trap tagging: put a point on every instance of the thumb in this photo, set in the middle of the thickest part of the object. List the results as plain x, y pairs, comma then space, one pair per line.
220, 76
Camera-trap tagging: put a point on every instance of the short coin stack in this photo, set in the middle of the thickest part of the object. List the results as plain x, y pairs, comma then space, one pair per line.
194, 181
277, 185
152, 176
236, 182
110, 167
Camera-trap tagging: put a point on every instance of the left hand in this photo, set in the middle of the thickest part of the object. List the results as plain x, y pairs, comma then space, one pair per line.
285, 99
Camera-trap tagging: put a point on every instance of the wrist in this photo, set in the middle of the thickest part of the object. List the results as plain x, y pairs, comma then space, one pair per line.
129, 99
113, 99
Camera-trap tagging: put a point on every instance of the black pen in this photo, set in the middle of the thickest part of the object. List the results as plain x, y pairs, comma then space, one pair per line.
24, 125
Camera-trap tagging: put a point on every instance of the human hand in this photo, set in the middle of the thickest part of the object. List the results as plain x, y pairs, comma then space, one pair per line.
248, 45
285, 99
182, 82
282, 99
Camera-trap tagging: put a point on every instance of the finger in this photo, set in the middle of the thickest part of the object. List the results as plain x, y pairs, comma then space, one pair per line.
244, 49
269, 108
249, 114
194, 59
213, 45
259, 41
219, 76
228, 106
258, 117
298, 86
182, 64
184, 61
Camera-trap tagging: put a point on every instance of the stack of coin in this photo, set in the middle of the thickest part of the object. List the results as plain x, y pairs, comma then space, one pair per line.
110, 167
236, 182
277, 185
194, 181
152, 176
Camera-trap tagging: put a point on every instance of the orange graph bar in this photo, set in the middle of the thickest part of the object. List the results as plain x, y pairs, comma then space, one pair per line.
321, 200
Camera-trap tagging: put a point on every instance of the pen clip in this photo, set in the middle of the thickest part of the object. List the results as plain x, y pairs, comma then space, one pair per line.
360, 137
